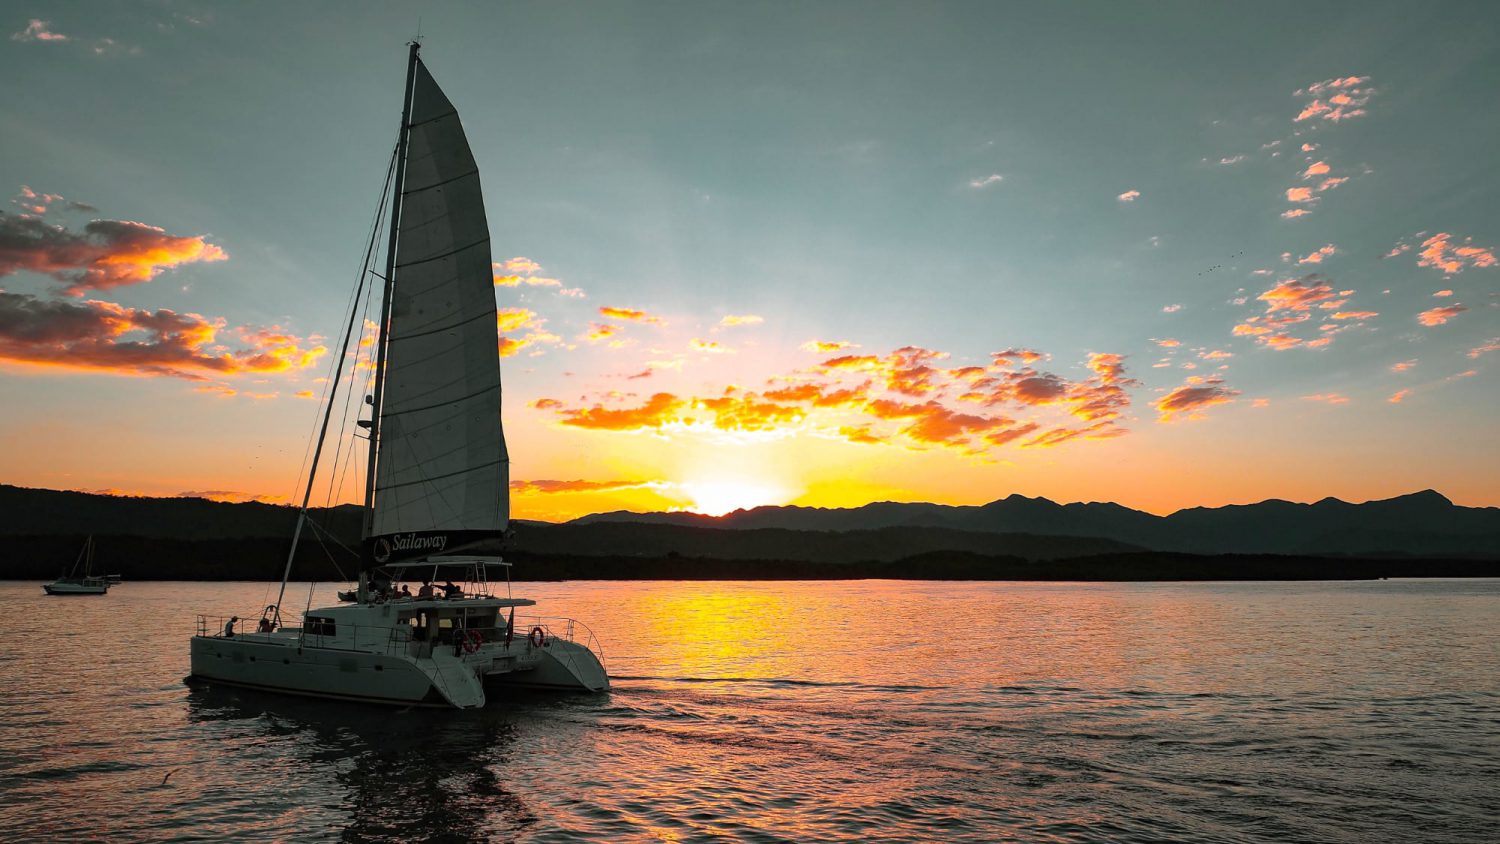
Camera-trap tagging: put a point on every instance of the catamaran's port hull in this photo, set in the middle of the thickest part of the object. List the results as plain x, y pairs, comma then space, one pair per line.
313, 672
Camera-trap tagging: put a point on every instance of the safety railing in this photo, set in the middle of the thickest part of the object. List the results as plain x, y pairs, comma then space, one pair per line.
561, 628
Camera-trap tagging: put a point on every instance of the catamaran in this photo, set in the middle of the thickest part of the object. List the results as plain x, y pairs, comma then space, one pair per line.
87, 583
437, 474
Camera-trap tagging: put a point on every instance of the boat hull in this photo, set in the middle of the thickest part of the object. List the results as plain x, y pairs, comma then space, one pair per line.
271, 665
564, 666
75, 589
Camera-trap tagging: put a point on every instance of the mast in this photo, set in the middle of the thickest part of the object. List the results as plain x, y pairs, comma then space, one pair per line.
385, 302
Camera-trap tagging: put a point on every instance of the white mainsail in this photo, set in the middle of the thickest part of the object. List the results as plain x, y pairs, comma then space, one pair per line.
442, 470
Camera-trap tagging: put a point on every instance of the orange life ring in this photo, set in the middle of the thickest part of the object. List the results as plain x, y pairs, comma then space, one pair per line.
538, 637
472, 641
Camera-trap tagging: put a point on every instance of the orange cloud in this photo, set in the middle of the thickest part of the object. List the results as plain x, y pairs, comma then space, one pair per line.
106, 337
1439, 252
709, 346
1442, 294
1193, 397
631, 315
600, 331
1355, 314
1439, 316
1167, 344
1328, 398
1317, 168
831, 405
551, 487
746, 319
1335, 99
1294, 213
1299, 194
1317, 256
1399, 396
1491, 345
107, 254
824, 346
513, 319
1296, 294
546, 404
519, 265
1129, 196
1407, 364
659, 410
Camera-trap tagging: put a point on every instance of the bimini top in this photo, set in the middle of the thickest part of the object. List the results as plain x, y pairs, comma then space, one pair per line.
421, 604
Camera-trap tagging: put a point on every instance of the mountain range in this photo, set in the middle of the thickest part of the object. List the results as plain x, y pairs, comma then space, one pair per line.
1420, 525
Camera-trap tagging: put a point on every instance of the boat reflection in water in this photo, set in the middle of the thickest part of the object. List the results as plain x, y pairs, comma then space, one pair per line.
430, 775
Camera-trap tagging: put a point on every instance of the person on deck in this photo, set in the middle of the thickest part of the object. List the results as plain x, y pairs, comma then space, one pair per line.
426, 590
265, 625
229, 627
452, 591
405, 592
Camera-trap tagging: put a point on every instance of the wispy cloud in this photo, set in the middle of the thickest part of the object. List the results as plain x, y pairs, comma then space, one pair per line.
1328, 398
1490, 345
987, 181
1129, 196
38, 30
630, 315
826, 346
740, 319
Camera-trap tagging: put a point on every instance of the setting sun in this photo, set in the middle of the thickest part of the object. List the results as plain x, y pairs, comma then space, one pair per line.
717, 497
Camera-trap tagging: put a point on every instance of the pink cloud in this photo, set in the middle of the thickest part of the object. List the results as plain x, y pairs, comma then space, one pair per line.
1490, 345
1129, 196
1399, 396
1328, 398
1439, 316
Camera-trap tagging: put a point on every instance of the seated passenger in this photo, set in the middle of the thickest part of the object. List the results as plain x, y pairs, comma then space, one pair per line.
266, 626
229, 627
452, 591
405, 592
426, 590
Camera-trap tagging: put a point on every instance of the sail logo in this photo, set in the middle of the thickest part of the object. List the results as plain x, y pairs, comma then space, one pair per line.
409, 543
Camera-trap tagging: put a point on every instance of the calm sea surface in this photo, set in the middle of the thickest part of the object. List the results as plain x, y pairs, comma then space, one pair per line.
873, 710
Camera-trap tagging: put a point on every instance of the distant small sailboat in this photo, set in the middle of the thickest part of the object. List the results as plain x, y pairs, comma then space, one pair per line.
86, 583
437, 480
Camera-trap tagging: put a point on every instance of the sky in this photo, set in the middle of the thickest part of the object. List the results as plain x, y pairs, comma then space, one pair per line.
1163, 254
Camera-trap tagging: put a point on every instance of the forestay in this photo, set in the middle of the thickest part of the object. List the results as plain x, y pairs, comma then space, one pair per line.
442, 468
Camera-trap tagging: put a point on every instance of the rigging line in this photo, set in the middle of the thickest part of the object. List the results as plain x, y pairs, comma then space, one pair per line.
339, 452
329, 383
328, 413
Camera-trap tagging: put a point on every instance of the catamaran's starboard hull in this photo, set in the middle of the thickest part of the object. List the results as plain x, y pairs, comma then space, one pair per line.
74, 589
312, 672
564, 666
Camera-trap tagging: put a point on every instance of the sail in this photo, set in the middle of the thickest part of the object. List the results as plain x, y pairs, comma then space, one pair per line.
442, 470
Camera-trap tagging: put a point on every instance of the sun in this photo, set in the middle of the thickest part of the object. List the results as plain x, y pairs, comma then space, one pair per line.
715, 498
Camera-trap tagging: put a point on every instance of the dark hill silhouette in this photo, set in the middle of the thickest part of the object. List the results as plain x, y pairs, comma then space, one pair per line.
1421, 524
193, 534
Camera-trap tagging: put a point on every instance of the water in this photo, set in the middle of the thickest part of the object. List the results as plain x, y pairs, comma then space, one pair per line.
872, 710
